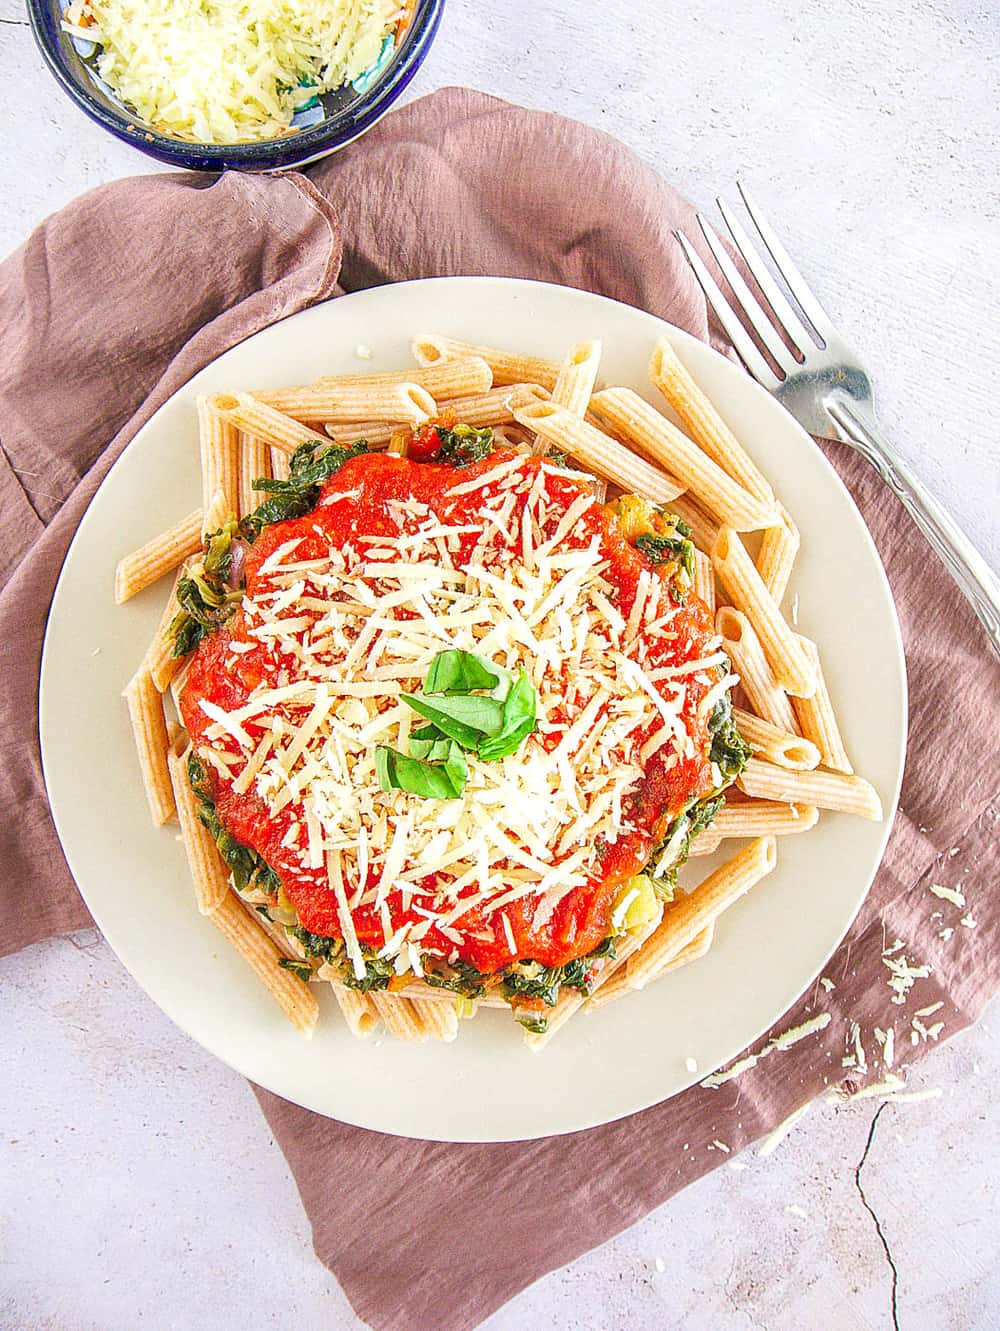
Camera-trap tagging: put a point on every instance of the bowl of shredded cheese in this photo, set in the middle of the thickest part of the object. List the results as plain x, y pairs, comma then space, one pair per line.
218, 84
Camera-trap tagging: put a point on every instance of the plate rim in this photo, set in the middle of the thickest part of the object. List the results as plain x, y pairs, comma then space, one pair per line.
685, 340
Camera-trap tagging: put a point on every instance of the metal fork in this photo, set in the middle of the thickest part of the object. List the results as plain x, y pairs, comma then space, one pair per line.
826, 387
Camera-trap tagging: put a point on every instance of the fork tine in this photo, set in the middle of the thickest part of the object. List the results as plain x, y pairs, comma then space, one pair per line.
796, 283
773, 293
747, 301
738, 335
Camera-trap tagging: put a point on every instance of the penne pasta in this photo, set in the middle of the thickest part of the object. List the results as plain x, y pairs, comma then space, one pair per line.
272, 427
704, 580
657, 438
403, 401
295, 997
703, 423
459, 377
597, 450
356, 1008
376, 434
281, 466
778, 547
762, 818
255, 465
219, 445
618, 986
817, 719
742, 646
439, 1020
776, 745
400, 1016
497, 407
146, 565
577, 375
793, 671
689, 914
507, 367
827, 790
149, 729
208, 873
159, 659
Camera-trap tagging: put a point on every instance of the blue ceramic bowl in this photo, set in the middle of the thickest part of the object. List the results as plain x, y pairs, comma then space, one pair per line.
335, 120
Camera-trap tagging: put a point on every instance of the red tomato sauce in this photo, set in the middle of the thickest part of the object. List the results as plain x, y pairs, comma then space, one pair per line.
581, 921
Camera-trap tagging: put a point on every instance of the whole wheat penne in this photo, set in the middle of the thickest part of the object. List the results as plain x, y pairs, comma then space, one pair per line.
705, 843
570, 1001
218, 513
763, 818
702, 421
219, 444
463, 376
778, 547
793, 671
376, 434
577, 376
144, 566
404, 401
400, 1016
357, 1009
159, 659
272, 427
817, 720
827, 790
704, 579
149, 729
439, 1020
507, 367
688, 914
241, 928
598, 451
618, 985
255, 465
208, 873
495, 408
742, 646
281, 464
655, 437
775, 744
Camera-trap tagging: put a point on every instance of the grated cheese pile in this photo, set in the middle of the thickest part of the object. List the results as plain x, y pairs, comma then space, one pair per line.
229, 71
361, 625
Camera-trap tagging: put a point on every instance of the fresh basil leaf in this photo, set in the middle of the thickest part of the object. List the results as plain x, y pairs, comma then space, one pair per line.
456, 671
463, 718
519, 721
439, 781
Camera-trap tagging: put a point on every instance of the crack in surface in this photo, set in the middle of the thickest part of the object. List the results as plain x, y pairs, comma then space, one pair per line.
878, 1224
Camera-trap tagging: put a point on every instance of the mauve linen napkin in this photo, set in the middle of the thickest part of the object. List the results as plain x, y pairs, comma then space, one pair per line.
114, 302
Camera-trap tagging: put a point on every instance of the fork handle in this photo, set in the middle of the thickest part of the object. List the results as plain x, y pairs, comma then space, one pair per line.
974, 577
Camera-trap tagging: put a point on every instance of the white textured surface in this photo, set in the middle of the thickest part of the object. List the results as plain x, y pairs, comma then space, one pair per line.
138, 1184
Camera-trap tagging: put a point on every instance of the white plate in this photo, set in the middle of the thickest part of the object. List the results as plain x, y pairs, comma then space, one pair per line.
485, 1086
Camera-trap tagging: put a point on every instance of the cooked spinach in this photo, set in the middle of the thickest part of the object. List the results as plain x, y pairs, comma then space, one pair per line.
668, 549
249, 870
529, 979
300, 968
461, 445
312, 464
460, 977
729, 751
378, 972
204, 594
316, 945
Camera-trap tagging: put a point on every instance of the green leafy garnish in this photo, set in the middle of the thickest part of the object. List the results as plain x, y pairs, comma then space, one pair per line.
461, 977
460, 672
463, 717
378, 972
300, 968
312, 464
461, 445
316, 945
518, 722
443, 779
530, 979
